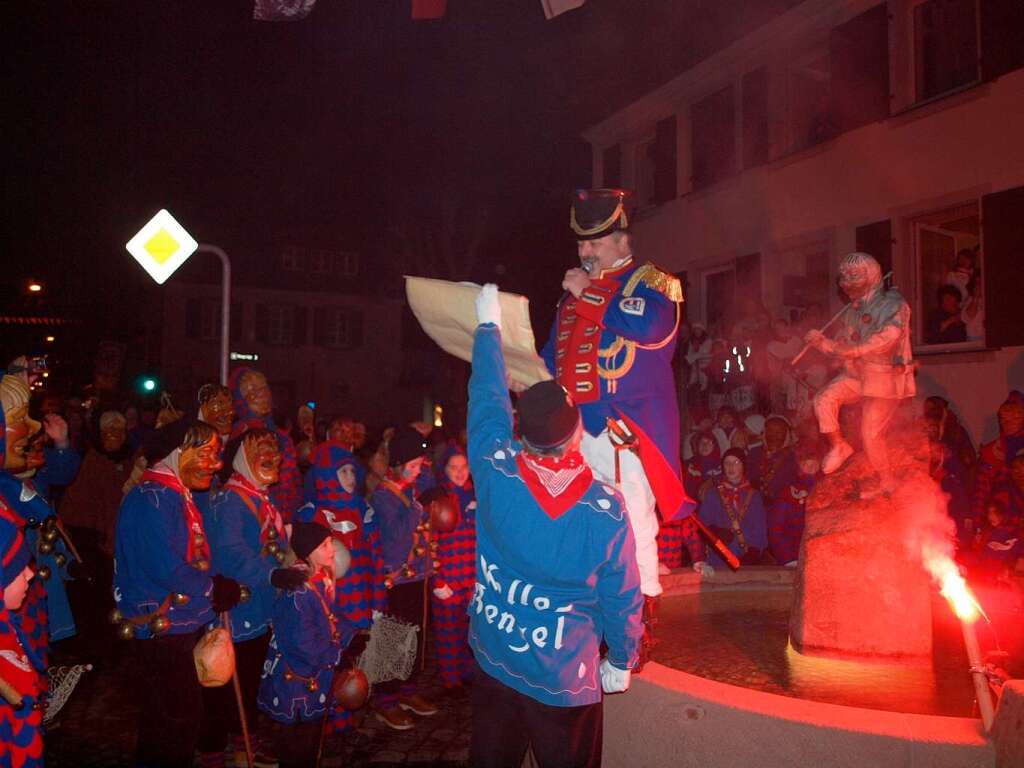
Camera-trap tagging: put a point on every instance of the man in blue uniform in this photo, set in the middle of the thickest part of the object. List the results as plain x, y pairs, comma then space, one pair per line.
555, 572
611, 348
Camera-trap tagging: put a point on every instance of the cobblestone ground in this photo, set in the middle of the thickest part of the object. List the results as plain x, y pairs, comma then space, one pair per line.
97, 727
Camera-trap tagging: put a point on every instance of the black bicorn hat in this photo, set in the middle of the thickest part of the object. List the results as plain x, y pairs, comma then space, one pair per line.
599, 212
547, 415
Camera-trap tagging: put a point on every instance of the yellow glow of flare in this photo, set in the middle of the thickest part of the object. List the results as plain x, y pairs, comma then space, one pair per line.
954, 589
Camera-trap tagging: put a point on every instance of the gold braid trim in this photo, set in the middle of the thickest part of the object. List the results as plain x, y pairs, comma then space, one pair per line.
662, 282
588, 231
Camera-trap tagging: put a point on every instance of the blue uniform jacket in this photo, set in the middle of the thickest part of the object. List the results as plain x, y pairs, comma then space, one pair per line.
547, 590
644, 388
397, 522
150, 561
303, 646
33, 506
235, 552
754, 524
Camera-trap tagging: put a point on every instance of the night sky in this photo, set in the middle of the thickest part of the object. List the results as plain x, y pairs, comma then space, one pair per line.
335, 131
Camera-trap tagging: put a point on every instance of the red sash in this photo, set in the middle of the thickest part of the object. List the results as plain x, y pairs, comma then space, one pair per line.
193, 520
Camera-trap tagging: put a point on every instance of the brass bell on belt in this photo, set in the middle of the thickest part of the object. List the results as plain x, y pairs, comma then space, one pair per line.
126, 631
199, 539
279, 556
115, 616
159, 624
180, 598
202, 565
45, 547
51, 535
244, 593
312, 686
420, 551
61, 559
273, 547
43, 572
272, 534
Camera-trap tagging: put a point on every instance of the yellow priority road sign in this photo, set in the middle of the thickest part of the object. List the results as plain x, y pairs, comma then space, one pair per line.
162, 246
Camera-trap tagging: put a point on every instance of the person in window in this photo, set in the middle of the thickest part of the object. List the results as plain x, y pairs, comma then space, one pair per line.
946, 325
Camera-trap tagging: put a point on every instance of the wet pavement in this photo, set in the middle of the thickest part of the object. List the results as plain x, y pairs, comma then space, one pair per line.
97, 727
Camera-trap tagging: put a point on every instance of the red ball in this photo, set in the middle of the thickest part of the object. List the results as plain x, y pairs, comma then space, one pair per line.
444, 515
351, 689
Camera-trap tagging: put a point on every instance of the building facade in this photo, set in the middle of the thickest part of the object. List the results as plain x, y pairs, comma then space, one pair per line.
895, 128
308, 319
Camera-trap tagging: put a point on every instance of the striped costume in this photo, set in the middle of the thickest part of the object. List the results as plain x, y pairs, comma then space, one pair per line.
361, 590
456, 552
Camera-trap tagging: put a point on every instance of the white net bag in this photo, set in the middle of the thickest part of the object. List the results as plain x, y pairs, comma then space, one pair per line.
62, 682
391, 651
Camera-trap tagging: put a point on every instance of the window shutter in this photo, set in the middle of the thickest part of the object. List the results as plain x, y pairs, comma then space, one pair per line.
262, 323
236, 318
665, 160
193, 317
320, 326
876, 240
1002, 29
1002, 232
299, 326
859, 53
748, 277
713, 138
612, 176
356, 329
755, 118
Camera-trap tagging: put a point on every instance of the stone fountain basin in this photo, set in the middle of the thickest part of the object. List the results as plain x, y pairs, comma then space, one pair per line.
672, 718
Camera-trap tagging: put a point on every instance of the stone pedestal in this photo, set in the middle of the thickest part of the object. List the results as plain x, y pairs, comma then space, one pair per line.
860, 588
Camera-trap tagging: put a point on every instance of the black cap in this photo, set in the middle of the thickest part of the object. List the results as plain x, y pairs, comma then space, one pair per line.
159, 443
406, 445
547, 415
739, 453
306, 537
598, 212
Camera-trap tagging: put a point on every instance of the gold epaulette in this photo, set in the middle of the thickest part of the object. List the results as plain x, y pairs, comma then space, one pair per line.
662, 282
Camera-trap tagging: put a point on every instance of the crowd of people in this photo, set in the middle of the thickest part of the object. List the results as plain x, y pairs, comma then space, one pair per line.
529, 545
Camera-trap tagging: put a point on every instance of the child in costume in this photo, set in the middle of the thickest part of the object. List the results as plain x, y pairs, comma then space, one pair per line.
308, 639
334, 501
21, 675
735, 511
456, 576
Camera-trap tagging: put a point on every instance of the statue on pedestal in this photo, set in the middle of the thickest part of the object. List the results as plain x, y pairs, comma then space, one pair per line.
874, 344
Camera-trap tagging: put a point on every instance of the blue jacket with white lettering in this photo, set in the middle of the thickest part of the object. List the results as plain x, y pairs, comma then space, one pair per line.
548, 589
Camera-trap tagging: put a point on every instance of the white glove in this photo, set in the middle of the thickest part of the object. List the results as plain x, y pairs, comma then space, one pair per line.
704, 569
488, 308
613, 679
443, 593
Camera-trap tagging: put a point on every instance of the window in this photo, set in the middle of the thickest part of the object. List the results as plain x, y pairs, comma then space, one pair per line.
713, 138
810, 115
945, 46
756, 138
348, 264
280, 324
320, 262
291, 259
949, 303
339, 327
643, 174
719, 292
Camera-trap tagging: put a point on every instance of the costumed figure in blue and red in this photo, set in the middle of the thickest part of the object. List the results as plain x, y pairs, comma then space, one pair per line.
456, 575
334, 500
46, 616
309, 636
556, 572
784, 479
611, 347
699, 474
163, 588
254, 408
407, 547
21, 672
734, 510
248, 543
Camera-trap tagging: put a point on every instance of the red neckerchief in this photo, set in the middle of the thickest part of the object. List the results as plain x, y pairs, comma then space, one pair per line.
267, 516
555, 483
193, 520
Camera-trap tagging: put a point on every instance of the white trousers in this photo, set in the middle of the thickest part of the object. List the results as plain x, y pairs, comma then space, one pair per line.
875, 417
640, 503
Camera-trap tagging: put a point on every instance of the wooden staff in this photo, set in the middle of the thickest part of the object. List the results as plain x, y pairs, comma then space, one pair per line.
802, 352
238, 696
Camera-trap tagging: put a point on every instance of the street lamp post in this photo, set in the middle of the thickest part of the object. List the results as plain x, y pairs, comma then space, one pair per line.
225, 306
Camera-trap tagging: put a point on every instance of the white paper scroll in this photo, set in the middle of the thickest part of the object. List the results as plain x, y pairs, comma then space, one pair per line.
447, 312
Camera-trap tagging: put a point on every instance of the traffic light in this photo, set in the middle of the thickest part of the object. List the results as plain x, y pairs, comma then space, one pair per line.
148, 384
